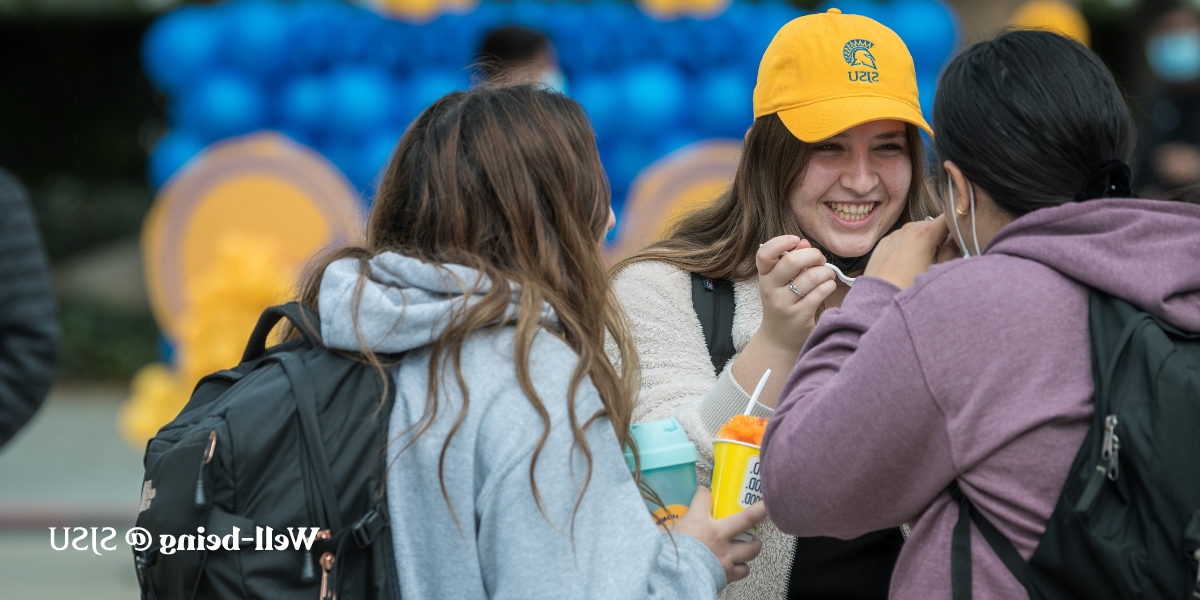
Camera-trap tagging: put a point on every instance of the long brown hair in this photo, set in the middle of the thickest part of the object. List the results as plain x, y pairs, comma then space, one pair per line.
506, 181
719, 240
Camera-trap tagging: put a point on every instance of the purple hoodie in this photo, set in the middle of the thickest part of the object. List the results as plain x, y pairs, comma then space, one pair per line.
980, 372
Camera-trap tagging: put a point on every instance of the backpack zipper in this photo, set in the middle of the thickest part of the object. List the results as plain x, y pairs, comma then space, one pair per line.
1111, 447
201, 498
1196, 588
318, 504
327, 566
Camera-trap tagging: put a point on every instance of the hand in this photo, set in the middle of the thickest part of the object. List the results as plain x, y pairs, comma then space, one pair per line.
948, 251
787, 317
908, 252
718, 534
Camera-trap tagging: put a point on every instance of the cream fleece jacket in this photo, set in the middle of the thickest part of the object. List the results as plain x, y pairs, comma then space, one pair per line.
678, 381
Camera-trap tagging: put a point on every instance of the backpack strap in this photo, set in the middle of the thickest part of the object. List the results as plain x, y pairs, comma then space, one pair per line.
960, 547
713, 301
310, 429
301, 316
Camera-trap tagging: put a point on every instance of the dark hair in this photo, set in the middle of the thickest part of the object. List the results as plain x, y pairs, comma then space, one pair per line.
719, 239
510, 46
1029, 117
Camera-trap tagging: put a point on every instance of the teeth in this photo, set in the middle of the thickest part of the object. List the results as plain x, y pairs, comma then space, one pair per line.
852, 212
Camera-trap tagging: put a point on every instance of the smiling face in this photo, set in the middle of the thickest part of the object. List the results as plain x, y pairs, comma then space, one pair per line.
854, 187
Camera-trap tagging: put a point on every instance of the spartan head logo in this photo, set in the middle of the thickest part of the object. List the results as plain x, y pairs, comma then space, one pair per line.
858, 53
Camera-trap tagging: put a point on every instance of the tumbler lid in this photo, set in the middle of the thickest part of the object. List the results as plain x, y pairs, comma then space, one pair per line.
661, 444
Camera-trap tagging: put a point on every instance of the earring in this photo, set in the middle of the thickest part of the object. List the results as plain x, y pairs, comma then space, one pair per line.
960, 211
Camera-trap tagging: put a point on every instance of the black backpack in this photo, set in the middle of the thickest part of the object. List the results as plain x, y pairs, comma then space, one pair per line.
286, 447
1127, 522
822, 567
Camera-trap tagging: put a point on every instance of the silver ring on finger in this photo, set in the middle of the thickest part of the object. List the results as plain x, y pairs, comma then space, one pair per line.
792, 286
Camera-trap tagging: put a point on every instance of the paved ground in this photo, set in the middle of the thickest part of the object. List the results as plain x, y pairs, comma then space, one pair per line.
68, 467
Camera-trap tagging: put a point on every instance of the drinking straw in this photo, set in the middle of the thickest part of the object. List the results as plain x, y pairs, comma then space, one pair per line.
757, 392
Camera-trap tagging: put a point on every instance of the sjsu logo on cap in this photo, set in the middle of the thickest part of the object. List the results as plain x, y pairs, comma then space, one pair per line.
858, 54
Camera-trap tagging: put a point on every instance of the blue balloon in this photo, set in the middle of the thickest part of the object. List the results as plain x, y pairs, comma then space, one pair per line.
222, 104
394, 47
779, 13
868, 8
375, 155
623, 160
259, 32
927, 88
600, 98
312, 39
537, 14
180, 45
345, 155
929, 29
653, 98
301, 136
570, 21
362, 159
725, 102
362, 99
354, 34
304, 103
426, 87
170, 154
675, 141
443, 43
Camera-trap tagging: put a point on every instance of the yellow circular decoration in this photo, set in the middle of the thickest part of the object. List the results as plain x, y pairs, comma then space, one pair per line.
416, 11
1053, 15
672, 187
262, 186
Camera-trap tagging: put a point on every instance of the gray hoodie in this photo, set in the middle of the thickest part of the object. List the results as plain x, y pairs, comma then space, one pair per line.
495, 543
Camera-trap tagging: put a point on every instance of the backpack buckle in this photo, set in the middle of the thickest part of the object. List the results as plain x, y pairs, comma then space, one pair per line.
363, 531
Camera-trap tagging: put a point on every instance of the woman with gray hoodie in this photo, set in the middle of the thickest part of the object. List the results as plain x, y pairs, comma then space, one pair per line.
978, 370
482, 267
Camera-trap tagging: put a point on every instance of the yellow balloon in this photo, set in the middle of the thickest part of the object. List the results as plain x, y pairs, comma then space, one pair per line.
672, 187
246, 274
1053, 15
155, 399
264, 185
410, 10
664, 10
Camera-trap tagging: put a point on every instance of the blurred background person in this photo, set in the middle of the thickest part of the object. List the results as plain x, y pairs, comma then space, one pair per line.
28, 323
1170, 150
518, 54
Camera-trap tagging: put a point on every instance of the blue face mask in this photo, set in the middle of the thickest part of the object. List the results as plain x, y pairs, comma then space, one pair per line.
1175, 56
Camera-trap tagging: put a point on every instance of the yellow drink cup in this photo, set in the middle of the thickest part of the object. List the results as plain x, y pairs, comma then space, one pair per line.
736, 483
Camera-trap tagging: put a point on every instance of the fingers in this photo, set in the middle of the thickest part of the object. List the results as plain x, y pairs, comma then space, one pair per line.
742, 521
769, 253
939, 227
811, 278
737, 573
948, 251
744, 552
701, 501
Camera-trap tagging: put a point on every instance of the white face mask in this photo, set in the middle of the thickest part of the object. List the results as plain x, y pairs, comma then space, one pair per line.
555, 80
974, 234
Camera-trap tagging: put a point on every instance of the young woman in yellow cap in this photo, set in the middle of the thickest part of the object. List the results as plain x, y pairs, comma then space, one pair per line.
833, 162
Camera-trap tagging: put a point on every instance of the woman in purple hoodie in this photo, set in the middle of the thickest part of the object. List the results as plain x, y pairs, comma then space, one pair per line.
978, 370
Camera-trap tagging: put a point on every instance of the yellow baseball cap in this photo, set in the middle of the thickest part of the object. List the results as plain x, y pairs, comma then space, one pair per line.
827, 72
